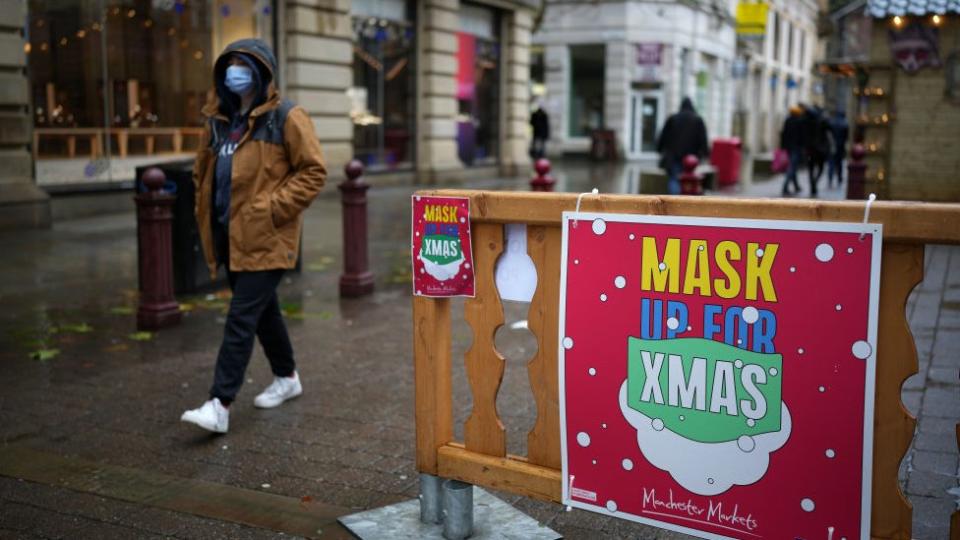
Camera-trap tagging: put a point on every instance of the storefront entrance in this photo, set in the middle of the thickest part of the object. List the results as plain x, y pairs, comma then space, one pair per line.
644, 123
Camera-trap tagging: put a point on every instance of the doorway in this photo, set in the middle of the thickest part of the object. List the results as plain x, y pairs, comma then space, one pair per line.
645, 112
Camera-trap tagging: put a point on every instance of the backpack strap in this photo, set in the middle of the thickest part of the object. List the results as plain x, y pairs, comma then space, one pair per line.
270, 128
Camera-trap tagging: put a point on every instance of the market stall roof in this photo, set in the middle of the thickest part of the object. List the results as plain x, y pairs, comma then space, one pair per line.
890, 8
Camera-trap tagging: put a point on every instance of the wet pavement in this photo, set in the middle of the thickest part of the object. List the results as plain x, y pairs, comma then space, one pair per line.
89, 407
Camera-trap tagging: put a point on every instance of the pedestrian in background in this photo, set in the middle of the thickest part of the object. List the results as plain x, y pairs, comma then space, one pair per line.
792, 142
683, 134
839, 133
817, 138
260, 168
540, 122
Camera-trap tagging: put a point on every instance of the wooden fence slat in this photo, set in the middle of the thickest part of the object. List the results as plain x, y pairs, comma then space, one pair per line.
913, 222
901, 270
483, 431
543, 441
508, 473
432, 379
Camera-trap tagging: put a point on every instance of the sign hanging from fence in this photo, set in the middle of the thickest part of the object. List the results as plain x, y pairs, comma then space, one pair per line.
717, 375
442, 247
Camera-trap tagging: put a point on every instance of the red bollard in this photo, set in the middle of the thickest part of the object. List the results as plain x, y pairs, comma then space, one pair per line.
690, 182
158, 308
357, 279
542, 181
856, 173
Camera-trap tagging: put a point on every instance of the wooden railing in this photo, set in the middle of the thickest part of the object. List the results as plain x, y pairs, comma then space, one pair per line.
481, 458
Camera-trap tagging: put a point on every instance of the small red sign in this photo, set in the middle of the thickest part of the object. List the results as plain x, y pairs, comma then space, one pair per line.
442, 247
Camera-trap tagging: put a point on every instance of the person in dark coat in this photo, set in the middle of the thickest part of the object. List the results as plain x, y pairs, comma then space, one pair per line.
683, 134
817, 138
540, 122
792, 142
839, 133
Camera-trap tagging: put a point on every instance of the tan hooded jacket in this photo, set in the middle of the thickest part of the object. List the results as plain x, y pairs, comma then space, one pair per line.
277, 171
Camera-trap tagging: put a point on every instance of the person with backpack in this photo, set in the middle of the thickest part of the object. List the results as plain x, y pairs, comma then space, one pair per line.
260, 168
684, 133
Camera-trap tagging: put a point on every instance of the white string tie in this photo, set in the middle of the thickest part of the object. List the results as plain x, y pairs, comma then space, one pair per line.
594, 191
866, 212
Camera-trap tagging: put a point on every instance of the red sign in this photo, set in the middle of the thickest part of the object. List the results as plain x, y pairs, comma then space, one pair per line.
717, 375
442, 248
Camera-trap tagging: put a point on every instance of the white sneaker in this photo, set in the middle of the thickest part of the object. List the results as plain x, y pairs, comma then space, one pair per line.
280, 390
211, 416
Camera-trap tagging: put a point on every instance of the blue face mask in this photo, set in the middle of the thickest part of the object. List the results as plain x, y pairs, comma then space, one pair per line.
239, 79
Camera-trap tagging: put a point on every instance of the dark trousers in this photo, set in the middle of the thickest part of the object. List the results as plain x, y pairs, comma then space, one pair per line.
791, 177
538, 148
254, 311
835, 168
814, 170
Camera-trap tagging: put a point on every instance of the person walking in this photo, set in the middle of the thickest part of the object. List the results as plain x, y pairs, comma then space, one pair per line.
839, 133
792, 142
261, 166
540, 122
817, 140
683, 134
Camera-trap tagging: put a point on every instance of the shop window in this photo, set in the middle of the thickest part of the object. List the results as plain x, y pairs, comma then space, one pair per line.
478, 85
120, 84
382, 96
586, 89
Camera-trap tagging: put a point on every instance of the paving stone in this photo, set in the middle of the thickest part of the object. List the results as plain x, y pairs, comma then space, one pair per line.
946, 376
936, 462
939, 442
942, 402
931, 518
927, 484
911, 400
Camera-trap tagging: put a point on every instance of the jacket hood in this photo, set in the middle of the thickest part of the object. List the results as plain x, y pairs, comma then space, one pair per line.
687, 106
261, 59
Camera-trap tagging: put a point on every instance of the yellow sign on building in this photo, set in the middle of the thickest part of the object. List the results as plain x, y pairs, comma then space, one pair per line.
752, 19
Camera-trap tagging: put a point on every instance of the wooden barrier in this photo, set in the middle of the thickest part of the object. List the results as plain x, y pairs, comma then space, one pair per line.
122, 136
482, 459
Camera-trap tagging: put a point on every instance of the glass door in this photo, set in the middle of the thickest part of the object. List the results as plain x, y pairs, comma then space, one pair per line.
644, 124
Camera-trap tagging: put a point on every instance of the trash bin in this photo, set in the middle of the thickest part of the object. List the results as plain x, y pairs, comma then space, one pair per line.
725, 157
190, 272
603, 145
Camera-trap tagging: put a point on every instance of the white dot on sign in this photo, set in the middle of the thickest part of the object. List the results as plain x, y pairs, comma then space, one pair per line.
662, 266
420, 292
464, 276
751, 422
700, 248
567, 343
689, 328
849, 250
682, 418
612, 506
583, 439
604, 426
627, 464
759, 253
576, 261
463, 220
673, 323
862, 349
738, 363
657, 424
750, 315
739, 342
824, 252
423, 271
830, 453
418, 197
709, 480
620, 282
807, 505
822, 389
599, 226
603, 297
467, 265
773, 372
592, 371
839, 307
793, 268
746, 443
800, 350
594, 462
632, 236
418, 233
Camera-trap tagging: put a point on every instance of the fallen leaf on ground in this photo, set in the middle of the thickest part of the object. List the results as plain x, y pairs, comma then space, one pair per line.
82, 328
121, 310
119, 347
44, 355
320, 265
186, 308
306, 499
141, 336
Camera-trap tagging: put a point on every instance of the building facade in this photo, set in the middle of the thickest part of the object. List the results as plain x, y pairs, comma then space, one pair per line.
776, 72
625, 66
421, 90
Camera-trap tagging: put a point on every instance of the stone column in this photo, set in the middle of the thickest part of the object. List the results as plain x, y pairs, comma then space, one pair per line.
515, 119
617, 74
22, 204
318, 51
437, 24
557, 59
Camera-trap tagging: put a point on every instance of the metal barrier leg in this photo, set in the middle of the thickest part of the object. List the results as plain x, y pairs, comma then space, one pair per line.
457, 510
431, 499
